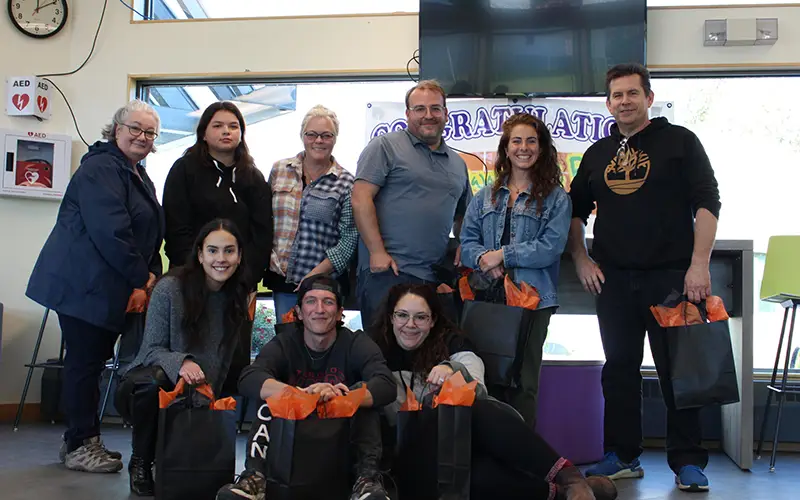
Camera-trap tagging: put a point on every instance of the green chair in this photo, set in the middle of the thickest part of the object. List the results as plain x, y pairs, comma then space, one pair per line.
781, 284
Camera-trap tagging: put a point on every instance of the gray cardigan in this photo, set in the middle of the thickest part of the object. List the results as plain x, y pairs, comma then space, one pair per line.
165, 342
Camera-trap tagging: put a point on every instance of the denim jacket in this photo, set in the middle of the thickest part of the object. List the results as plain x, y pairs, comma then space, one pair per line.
537, 240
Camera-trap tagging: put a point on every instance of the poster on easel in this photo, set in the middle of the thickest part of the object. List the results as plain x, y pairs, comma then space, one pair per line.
475, 125
35, 164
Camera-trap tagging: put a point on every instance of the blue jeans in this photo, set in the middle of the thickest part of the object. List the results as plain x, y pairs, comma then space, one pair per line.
284, 302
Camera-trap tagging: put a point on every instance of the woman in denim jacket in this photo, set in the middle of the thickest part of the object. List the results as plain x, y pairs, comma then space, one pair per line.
518, 226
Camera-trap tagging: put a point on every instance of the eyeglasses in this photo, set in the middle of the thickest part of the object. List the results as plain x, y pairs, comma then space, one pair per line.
137, 131
403, 318
325, 136
435, 110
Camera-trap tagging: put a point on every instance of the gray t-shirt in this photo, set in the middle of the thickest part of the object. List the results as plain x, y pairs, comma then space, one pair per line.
421, 193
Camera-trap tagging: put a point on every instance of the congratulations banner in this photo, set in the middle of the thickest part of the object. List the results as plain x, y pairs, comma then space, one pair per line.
475, 125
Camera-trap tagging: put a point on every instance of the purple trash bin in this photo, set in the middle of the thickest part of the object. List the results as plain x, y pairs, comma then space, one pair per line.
570, 409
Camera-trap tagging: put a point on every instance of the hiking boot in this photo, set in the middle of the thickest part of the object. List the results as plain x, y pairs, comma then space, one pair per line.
92, 456
251, 485
62, 452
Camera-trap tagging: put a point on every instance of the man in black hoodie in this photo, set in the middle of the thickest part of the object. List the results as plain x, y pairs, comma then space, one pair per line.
320, 357
657, 207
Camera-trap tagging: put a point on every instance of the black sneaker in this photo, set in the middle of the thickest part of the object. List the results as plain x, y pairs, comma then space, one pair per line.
251, 485
369, 488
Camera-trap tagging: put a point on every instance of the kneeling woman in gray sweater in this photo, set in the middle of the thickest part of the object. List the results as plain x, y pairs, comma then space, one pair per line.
193, 331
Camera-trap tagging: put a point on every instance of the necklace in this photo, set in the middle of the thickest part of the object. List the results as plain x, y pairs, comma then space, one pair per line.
308, 351
515, 188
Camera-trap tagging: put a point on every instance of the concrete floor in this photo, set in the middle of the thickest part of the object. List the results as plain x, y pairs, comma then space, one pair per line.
29, 470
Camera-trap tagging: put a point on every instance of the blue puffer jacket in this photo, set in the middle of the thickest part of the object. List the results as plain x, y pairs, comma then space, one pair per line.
105, 242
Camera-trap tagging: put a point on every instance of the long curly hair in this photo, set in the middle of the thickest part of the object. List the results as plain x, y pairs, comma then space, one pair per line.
433, 349
545, 175
192, 277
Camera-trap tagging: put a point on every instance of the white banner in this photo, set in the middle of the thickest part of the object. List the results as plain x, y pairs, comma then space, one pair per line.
475, 126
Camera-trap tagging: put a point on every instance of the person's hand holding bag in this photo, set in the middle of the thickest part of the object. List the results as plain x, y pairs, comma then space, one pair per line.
192, 373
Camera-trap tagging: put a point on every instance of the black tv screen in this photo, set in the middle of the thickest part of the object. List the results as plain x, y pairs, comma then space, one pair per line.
531, 47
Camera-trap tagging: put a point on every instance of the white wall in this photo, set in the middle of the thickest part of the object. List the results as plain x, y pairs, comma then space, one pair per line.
355, 45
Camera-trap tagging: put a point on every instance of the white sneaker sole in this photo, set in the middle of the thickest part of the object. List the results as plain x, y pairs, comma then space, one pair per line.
627, 474
690, 487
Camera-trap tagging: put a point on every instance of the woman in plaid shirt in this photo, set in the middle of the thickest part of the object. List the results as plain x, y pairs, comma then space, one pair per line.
315, 231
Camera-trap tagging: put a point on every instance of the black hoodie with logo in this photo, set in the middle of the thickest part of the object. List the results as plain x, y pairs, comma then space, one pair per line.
647, 190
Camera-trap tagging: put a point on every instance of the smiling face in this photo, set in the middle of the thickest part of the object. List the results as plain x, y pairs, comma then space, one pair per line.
628, 102
319, 312
224, 133
412, 321
319, 137
220, 257
523, 147
426, 115
131, 135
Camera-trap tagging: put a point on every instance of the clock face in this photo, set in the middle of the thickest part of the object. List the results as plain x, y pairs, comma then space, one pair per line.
38, 18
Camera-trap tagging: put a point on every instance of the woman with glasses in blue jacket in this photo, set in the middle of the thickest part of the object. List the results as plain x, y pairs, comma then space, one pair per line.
518, 226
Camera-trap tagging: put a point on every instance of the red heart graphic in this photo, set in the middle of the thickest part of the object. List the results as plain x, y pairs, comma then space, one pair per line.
20, 101
41, 101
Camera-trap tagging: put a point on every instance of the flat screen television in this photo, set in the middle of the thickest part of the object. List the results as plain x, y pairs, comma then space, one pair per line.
529, 47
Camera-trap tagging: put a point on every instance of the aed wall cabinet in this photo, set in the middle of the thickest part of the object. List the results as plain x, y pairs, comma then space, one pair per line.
35, 164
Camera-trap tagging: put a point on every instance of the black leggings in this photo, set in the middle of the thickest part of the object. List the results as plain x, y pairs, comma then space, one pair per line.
509, 460
136, 400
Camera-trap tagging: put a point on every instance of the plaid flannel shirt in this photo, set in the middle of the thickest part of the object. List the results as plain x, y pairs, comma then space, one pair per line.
311, 223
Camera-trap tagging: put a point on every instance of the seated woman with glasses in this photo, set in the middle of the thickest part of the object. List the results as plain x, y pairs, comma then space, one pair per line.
315, 232
105, 244
509, 460
190, 334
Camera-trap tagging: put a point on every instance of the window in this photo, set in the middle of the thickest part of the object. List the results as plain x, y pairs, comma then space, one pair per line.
273, 113
230, 9
746, 124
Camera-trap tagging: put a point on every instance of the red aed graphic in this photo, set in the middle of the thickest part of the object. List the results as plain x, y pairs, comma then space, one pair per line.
20, 101
34, 173
41, 101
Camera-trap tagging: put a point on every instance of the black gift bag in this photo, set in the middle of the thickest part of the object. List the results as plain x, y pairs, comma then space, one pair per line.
702, 368
499, 332
433, 456
195, 449
454, 451
308, 459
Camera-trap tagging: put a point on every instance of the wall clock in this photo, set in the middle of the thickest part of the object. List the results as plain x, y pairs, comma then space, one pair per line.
38, 18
